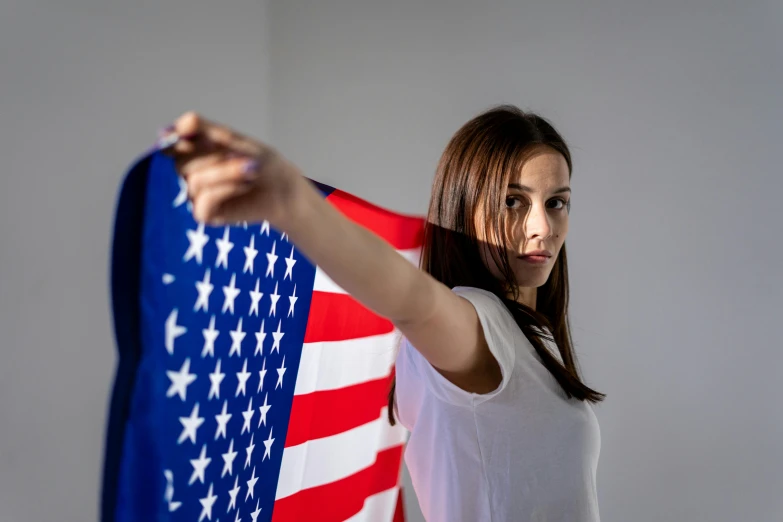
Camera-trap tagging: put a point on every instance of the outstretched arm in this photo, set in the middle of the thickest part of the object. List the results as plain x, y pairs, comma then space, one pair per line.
234, 178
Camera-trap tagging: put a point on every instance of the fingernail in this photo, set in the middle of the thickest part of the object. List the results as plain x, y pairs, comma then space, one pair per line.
165, 131
250, 170
166, 141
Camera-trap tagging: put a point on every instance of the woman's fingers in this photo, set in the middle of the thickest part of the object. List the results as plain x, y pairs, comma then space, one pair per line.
220, 167
211, 205
200, 134
187, 164
236, 171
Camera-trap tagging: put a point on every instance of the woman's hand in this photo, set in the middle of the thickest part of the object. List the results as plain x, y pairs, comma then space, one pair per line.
231, 177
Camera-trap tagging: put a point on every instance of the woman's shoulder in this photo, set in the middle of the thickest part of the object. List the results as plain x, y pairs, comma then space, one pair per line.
485, 302
479, 294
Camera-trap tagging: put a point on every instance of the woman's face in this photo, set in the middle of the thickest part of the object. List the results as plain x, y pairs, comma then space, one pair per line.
536, 217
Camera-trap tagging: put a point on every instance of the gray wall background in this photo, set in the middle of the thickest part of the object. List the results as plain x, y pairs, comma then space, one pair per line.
673, 110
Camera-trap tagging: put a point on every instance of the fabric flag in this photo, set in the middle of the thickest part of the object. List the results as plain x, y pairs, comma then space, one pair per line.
250, 387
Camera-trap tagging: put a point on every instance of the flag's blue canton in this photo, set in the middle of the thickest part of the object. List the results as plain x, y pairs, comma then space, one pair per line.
222, 315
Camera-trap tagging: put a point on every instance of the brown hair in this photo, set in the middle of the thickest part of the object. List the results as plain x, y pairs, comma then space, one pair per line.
475, 168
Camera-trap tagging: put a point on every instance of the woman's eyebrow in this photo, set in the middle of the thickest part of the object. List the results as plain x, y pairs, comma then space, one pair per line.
525, 188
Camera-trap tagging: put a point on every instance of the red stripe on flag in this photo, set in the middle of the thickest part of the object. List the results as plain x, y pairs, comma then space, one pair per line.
399, 512
402, 232
344, 498
337, 317
325, 413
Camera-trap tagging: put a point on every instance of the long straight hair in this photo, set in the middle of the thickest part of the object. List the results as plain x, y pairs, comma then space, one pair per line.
471, 177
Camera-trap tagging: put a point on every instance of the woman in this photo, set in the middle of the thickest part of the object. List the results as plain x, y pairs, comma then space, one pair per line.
487, 383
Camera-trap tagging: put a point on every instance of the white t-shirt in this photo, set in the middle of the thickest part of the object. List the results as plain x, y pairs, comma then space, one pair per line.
522, 453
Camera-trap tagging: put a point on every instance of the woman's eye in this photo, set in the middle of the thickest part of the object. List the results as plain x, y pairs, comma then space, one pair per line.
512, 202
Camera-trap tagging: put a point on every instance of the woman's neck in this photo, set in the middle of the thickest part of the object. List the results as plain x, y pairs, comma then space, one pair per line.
527, 296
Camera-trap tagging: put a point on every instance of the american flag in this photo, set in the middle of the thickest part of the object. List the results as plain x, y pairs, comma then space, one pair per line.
250, 387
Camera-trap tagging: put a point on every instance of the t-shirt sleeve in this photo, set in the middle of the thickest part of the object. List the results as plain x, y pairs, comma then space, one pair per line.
498, 325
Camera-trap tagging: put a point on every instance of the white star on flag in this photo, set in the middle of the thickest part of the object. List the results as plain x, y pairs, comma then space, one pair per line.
199, 466
224, 247
210, 334
248, 414
289, 266
168, 494
222, 421
251, 485
260, 336
255, 298
250, 255
292, 298
257, 512
180, 380
204, 288
268, 446
277, 337
190, 425
273, 306
264, 410
232, 504
197, 239
271, 260
206, 505
182, 195
265, 227
173, 330
230, 292
242, 378
261, 376
237, 336
215, 378
228, 460
249, 450
280, 373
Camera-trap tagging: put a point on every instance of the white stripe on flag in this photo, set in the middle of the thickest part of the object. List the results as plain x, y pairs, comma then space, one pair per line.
331, 365
323, 283
323, 461
378, 507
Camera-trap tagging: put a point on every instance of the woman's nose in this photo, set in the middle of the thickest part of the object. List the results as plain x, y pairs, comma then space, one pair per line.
537, 223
